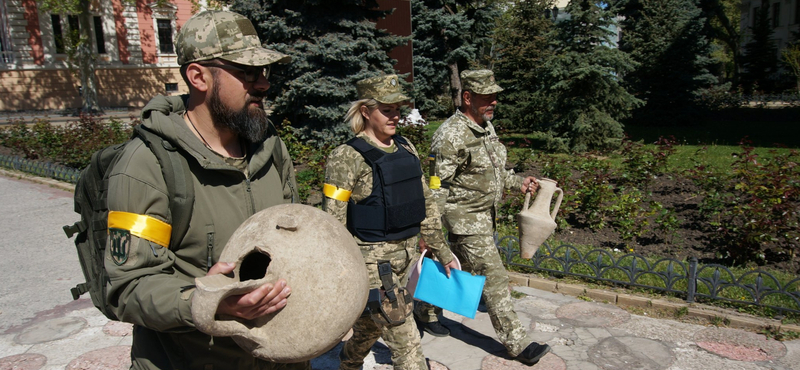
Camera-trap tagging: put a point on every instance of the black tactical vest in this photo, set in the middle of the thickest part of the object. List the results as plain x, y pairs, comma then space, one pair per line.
396, 206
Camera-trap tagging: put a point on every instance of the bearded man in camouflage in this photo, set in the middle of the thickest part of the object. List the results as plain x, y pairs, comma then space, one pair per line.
468, 181
224, 135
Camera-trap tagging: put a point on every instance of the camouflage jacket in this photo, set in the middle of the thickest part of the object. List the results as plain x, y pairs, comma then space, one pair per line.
470, 164
347, 170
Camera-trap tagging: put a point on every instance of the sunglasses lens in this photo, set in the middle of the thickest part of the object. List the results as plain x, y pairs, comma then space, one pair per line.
252, 74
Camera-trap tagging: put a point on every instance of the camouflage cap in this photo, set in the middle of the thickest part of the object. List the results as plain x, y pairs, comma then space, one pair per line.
479, 81
385, 89
226, 35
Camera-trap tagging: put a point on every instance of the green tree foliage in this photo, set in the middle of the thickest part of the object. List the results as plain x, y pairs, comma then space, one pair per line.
760, 57
583, 81
723, 16
333, 43
522, 47
667, 40
449, 36
79, 47
790, 56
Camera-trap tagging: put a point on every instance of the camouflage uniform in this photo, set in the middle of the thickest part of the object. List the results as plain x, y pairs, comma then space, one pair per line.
470, 166
347, 170
153, 287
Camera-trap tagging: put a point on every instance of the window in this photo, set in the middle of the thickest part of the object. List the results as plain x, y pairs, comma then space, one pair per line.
58, 35
74, 24
5, 40
756, 10
165, 36
98, 35
171, 87
796, 12
776, 15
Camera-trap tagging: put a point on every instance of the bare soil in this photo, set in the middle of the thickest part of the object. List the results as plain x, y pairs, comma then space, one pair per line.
693, 238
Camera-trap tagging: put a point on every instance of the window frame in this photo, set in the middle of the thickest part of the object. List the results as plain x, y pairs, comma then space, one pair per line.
165, 12
776, 15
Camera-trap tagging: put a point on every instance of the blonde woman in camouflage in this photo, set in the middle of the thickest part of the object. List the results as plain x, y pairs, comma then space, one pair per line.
374, 185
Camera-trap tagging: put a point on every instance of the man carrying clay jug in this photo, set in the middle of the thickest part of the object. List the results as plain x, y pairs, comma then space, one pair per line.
468, 178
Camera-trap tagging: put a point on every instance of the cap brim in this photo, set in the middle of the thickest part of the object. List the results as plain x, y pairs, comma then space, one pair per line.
493, 89
393, 98
257, 56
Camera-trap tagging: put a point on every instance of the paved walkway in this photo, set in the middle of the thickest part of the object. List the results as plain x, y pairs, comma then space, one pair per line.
41, 327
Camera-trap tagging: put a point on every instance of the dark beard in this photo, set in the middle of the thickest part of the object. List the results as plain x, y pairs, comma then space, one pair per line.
249, 123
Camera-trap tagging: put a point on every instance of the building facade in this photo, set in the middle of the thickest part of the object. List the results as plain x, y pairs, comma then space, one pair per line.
784, 16
132, 40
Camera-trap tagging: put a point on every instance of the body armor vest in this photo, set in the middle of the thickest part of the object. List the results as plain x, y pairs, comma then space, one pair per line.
396, 206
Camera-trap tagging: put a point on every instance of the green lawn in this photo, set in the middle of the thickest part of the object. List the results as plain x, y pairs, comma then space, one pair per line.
712, 141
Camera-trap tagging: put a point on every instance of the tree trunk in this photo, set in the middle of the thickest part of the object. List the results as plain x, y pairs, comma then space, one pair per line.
86, 61
455, 84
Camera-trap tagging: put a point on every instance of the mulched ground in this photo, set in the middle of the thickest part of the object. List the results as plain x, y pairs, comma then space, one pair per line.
691, 239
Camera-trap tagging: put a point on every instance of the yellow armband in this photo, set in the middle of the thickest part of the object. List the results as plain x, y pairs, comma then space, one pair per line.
145, 227
334, 192
435, 182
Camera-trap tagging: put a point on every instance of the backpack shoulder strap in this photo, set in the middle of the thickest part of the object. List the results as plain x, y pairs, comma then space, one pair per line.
178, 178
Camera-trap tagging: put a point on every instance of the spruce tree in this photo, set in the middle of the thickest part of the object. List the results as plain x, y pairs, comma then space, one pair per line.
760, 57
667, 40
333, 43
521, 47
449, 36
583, 80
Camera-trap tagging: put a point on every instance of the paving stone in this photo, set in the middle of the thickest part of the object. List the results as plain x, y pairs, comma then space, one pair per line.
739, 345
589, 314
25, 361
118, 329
621, 353
110, 358
548, 362
58, 328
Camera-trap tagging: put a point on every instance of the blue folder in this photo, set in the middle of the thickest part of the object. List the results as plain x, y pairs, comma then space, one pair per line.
459, 294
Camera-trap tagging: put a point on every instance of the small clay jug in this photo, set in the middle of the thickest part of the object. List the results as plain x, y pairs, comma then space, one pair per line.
321, 263
537, 222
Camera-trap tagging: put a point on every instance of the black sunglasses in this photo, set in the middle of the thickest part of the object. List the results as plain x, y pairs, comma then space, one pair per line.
251, 74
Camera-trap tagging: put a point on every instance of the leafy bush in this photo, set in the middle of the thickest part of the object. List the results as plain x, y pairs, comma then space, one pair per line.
71, 145
309, 160
756, 207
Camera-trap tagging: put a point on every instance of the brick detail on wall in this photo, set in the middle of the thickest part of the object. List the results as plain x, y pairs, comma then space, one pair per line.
57, 88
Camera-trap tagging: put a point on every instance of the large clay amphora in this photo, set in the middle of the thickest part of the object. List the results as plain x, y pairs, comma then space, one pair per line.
320, 261
537, 222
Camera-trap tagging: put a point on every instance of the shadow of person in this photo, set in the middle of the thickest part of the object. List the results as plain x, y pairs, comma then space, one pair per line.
470, 337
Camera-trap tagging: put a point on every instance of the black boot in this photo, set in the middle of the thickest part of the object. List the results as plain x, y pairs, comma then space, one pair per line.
533, 353
435, 328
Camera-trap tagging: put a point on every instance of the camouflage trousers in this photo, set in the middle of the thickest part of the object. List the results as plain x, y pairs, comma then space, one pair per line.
403, 340
478, 255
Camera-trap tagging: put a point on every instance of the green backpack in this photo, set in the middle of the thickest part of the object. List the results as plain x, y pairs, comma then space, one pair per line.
91, 192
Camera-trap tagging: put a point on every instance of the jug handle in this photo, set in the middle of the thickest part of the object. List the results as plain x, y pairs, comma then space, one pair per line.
527, 201
207, 313
558, 203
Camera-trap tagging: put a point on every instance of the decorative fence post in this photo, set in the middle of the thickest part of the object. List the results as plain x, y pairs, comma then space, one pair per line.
691, 280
